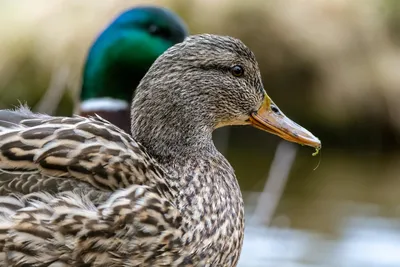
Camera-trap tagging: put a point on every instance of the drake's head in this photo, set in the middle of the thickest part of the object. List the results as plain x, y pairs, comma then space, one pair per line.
124, 51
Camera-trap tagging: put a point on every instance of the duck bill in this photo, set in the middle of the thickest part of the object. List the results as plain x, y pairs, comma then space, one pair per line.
270, 119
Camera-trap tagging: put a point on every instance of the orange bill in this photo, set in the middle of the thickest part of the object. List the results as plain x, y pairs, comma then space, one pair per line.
270, 119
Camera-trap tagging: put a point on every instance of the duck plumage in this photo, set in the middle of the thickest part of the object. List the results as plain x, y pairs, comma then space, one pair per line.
163, 196
89, 159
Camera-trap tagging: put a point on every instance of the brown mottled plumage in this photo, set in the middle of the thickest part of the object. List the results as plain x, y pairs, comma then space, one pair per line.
162, 197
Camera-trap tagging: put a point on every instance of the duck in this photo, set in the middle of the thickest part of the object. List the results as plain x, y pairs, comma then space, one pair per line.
171, 198
119, 58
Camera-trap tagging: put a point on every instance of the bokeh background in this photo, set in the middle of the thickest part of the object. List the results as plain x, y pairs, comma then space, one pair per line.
331, 65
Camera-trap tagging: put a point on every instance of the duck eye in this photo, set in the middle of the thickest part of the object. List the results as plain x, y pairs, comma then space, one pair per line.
159, 31
237, 71
153, 29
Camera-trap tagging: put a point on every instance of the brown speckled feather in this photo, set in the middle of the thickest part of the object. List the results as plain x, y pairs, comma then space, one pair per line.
61, 154
164, 196
182, 205
135, 227
92, 158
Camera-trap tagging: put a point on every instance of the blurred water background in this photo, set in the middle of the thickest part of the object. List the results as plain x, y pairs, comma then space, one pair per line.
331, 65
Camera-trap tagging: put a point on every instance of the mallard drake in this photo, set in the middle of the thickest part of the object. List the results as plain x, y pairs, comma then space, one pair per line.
177, 201
121, 56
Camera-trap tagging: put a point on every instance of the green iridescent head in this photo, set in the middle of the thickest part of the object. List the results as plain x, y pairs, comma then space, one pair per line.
124, 51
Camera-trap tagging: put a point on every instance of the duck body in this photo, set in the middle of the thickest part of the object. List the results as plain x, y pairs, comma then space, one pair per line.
91, 158
121, 56
163, 196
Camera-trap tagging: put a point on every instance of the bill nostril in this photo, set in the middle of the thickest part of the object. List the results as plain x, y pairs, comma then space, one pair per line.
275, 110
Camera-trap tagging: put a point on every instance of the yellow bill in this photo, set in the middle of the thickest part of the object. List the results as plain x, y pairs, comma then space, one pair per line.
270, 119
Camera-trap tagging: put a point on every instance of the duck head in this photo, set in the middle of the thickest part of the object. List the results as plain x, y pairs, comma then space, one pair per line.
206, 82
120, 57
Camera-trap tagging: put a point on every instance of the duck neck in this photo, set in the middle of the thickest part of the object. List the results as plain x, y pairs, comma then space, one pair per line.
173, 142
209, 196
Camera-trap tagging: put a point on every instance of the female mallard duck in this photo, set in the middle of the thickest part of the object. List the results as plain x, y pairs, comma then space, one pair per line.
178, 203
121, 56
